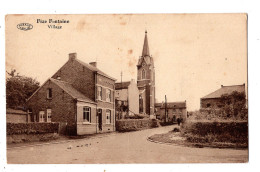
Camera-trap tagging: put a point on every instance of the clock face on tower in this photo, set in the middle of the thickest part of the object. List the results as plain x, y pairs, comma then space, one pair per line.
143, 64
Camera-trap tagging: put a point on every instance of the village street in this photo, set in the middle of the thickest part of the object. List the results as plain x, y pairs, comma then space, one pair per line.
131, 147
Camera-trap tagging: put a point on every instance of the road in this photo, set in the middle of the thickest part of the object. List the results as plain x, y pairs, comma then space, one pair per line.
131, 147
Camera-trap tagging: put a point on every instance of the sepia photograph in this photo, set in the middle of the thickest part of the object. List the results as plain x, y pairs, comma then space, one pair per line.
126, 88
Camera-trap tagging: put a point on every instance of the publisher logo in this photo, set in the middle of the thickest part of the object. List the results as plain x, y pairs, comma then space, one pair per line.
25, 26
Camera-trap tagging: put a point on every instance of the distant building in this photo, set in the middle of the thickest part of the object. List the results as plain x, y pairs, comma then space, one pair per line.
174, 110
79, 96
16, 116
127, 98
213, 100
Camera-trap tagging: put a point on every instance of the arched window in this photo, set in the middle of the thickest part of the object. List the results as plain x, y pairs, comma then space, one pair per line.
143, 74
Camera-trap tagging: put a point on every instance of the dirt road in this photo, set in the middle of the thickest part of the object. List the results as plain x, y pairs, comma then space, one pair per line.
132, 147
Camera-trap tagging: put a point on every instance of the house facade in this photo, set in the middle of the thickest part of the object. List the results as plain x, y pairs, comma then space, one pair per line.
78, 96
146, 80
213, 100
127, 98
173, 110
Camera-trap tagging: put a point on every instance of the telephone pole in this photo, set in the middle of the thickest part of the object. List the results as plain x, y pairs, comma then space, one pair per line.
166, 118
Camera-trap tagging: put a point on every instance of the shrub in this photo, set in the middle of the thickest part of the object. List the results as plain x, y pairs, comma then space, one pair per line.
31, 128
225, 131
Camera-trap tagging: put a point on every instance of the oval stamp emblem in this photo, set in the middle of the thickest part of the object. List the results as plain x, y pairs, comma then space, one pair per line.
25, 26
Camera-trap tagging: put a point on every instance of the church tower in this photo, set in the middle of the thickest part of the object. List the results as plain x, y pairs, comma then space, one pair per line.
146, 80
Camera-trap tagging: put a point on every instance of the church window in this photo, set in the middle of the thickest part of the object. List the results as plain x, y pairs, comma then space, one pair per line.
143, 74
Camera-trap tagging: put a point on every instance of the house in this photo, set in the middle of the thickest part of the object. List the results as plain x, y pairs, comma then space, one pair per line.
174, 110
127, 98
79, 96
213, 100
16, 116
146, 80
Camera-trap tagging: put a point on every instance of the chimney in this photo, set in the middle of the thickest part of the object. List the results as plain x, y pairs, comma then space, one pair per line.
93, 64
72, 56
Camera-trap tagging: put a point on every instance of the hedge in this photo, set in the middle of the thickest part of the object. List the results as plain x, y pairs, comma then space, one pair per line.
135, 124
31, 128
225, 131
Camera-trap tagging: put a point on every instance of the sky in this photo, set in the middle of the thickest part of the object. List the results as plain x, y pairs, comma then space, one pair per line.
194, 54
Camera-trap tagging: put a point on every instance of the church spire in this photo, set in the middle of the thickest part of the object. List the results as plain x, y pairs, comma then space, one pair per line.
146, 47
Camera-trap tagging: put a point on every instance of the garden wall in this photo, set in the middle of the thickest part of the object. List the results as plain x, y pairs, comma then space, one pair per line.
135, 124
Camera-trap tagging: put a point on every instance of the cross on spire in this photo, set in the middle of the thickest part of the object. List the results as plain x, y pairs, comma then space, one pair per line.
146, 47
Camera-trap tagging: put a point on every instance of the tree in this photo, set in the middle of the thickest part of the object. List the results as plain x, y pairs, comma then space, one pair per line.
19, 88
234, 105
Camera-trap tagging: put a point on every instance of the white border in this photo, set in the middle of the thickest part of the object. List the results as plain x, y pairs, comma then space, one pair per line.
138, 6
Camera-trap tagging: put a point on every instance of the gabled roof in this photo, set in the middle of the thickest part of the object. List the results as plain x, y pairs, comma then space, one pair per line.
68, 88
95, 69
73, 92
171, 105
225, 90
122, 85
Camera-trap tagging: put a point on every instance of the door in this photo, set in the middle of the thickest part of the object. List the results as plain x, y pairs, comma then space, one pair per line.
100, 119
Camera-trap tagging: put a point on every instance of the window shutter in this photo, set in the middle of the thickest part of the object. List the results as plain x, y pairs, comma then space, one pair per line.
110, 116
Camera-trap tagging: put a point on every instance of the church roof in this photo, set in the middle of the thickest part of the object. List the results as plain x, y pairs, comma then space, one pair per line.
145, 47
225, 90
145, 54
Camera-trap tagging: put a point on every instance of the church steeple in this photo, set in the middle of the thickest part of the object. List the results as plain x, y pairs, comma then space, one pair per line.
146, 47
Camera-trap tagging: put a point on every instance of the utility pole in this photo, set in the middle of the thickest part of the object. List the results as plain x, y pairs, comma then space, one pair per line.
121, 76
166, 118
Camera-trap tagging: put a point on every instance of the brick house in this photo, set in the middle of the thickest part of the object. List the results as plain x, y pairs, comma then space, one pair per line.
78, 96
174, 110
213, 100
127, 98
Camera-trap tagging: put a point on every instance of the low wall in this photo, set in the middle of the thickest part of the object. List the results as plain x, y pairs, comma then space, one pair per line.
135, 124
31, 128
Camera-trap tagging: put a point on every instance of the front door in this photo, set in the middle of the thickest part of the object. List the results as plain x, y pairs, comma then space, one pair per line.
100, 119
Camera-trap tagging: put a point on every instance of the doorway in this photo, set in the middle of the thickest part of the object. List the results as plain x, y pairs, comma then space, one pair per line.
100, 119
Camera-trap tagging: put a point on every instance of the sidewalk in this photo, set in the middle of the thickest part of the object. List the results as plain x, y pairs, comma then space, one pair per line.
61, 139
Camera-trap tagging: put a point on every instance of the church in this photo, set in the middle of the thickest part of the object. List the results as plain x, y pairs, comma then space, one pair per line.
146, 80
144, 93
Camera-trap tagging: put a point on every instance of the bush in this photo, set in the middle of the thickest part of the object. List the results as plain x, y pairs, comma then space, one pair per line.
135, 124
207, 132
31, 128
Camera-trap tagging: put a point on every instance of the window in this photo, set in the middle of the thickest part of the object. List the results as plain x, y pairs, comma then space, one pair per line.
87, 114
41, 116
99, 93
48, 115
143, 74
49, 93
108, 97
108, 116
